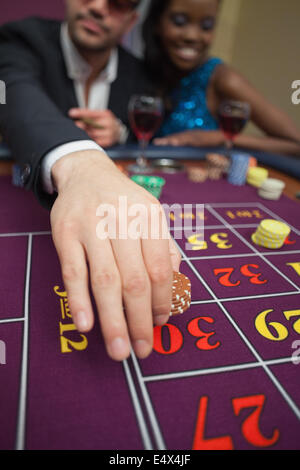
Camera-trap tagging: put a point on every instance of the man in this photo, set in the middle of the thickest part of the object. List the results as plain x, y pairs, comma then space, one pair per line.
65, 167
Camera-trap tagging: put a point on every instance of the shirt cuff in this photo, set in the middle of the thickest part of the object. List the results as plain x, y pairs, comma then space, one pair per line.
56, 154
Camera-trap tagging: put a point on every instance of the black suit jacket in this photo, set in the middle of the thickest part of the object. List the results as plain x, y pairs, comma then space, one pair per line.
39, 94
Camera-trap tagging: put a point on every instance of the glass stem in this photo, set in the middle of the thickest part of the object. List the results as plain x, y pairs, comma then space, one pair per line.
142, 160
228, 147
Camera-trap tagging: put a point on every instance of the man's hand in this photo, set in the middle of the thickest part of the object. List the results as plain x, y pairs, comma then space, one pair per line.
108, 130
194, 138
134, 274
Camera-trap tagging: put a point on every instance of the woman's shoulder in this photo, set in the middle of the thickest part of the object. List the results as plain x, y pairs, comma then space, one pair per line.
226, 79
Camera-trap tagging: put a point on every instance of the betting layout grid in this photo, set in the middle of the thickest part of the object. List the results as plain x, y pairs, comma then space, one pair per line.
213, 381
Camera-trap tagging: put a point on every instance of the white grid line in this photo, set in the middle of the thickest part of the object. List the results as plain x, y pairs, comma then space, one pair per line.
23, 234
245, 255
210, 227
272, 214
261, 363
247, 342
137, 407
151, 413
21, 422
12, 320
249, 297
269, 373
237, 234
214, 370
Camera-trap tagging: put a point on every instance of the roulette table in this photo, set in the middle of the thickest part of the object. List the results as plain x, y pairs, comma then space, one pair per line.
224, 375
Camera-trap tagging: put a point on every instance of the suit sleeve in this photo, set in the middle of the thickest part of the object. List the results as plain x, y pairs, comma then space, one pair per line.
31, 124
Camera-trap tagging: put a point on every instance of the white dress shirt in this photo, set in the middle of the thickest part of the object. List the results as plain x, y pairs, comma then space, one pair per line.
79, 70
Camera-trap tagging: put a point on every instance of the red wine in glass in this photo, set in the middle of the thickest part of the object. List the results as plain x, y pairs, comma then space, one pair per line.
145, 116
233, 117
232, 125
145, 124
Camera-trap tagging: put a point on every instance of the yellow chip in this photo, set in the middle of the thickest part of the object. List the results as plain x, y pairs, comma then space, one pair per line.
263, 234
275, 228
266, 244
258, 172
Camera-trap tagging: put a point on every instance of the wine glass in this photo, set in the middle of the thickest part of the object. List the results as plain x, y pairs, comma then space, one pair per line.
145, 116
233, 116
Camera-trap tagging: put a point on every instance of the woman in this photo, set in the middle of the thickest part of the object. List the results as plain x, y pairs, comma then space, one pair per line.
178, 35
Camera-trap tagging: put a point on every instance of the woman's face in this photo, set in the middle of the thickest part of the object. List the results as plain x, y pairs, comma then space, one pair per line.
186, 31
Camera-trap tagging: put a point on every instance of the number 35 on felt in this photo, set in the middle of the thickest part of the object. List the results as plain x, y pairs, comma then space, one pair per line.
196, 243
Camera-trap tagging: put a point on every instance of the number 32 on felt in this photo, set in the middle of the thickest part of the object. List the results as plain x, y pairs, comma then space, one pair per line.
254, 278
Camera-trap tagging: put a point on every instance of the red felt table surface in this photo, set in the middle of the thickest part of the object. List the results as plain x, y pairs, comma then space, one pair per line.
221, 376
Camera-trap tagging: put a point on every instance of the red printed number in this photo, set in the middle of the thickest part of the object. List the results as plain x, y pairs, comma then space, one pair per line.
200, 443
250, 426
203, 341
174, 339
224, 280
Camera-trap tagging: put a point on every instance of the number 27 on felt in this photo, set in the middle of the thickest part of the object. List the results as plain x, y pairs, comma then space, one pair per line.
220, 239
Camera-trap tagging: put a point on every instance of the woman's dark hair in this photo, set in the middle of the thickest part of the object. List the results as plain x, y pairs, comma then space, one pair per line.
156, 60
158, 65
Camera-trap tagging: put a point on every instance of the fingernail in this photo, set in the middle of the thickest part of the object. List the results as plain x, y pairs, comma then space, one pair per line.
160, 320
141, 348
72, 112
118, 349
81, 321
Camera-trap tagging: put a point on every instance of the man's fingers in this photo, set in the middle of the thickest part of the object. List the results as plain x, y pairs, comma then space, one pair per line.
136, 294
175, 255
81, 125
107, 290
159, 267
75, 277
88, 113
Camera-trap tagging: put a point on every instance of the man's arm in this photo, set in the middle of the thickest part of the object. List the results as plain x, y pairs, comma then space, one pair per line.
31, 124
125, 274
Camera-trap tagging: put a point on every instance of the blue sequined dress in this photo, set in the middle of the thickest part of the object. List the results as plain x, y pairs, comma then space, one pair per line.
190, 109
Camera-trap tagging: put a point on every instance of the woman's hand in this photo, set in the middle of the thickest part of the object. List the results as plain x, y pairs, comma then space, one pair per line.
194, 138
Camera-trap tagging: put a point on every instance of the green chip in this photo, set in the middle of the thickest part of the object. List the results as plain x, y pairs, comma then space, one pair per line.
153, 184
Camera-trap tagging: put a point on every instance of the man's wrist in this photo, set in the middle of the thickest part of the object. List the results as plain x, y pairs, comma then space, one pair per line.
72, 165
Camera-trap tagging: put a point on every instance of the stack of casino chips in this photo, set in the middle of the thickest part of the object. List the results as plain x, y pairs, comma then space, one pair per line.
217, 165
197, 174
181, 294
153, 184
256, 176
271, 234
239, 168
271, 189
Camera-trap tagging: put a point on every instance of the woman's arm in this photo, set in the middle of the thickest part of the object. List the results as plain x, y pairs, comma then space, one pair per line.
282, 136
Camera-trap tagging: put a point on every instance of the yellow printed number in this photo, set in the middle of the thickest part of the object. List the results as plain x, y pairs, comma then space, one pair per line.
275, 331
65, 342
295, 266
221, 240
196, 243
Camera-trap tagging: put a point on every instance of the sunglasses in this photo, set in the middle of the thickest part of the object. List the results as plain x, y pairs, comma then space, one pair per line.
123, 6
